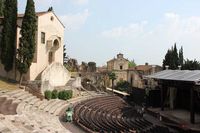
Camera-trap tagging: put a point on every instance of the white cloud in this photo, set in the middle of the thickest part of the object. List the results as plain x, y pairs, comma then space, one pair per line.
75, 21
131, 30
80, 2
171, 26
146, 38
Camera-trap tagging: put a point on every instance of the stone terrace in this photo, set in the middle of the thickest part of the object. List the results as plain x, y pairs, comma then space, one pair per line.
21, 112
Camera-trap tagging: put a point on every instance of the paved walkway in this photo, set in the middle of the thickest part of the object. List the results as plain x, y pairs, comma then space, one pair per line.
72, 127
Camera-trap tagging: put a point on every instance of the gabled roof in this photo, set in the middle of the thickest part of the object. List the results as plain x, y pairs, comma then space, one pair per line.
178, 75
38, 14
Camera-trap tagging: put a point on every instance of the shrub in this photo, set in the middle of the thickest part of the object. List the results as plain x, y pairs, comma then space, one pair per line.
123, 86
54, 94
48, 94
65, 94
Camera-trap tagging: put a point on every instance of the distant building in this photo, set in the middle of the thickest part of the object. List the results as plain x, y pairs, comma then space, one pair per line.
119, 63
119, 66
134, 75
49, 44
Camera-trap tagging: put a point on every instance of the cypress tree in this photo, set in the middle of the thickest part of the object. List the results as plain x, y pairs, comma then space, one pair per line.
8, 42
181, 58
27, 41
171, 58
175, 58
1, 7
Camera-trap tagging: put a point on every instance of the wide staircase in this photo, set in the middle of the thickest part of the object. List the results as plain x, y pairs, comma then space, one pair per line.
22, 112
112, 114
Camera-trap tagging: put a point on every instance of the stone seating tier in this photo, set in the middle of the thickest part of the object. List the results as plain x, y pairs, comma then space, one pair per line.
112, 114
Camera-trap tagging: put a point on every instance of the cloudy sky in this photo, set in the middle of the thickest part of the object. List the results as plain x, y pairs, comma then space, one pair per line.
143, 30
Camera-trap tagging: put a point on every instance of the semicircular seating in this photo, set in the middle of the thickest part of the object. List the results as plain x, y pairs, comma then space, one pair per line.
112, 114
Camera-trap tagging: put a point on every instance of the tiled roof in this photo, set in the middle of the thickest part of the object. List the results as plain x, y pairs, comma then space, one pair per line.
141, 68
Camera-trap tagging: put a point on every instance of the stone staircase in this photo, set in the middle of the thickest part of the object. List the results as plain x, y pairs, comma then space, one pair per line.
22, 112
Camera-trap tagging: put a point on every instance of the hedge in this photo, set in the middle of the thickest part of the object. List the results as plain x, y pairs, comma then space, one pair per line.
65, 94
48, 94
54, 94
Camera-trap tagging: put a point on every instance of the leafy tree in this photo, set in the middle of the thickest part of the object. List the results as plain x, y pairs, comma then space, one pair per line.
131, 63
8, 41
191, 65
1, 7
171, 58
113, 77
27, 41
50, 9
123, 86
65, 57
72, 65
167, 60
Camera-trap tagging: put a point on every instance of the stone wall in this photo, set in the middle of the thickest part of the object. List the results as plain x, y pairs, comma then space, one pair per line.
53, 76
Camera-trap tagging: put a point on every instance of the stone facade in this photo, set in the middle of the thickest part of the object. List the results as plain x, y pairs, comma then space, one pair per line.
136, 75
119, 63
119, 66
49, 44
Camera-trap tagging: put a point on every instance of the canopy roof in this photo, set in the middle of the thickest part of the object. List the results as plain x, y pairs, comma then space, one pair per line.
178, 75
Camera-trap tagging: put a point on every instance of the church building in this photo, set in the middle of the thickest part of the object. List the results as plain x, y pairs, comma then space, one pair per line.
49, 44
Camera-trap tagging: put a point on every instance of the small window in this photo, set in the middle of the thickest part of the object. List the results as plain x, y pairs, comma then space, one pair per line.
43, 37
52, 18
121, 67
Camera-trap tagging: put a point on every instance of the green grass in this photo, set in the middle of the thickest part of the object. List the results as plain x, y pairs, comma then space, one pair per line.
10, 85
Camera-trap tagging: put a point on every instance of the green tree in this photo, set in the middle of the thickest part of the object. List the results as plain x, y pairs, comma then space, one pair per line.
8, 41
181, 57
112, 77
50, 9
191, 65
1, 7
65, 57
175, 58
123, 86
131, 63
27, 41
171, 58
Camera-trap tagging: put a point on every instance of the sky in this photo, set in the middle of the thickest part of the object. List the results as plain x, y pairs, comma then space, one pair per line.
143, 30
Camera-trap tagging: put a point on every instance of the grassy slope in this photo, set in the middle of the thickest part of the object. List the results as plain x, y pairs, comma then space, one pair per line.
8, 85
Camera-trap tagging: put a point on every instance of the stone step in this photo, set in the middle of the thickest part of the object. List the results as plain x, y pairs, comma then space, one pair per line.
50, 105
16, 95
45, 103
37, 104
22, 98
59, 109
20, 108
53, 109
10, 92
34, 101
4, 91
29, 99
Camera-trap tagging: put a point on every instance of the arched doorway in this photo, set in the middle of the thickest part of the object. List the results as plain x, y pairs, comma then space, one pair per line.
53, 50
